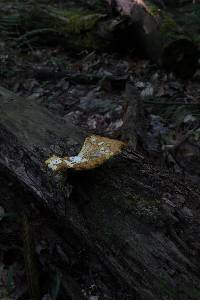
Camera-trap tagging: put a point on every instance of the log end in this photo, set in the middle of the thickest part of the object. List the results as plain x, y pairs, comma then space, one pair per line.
181, 57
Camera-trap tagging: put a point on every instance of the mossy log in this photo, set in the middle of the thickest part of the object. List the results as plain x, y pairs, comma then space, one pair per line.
140, 25
74, 29
159, 35
135, 227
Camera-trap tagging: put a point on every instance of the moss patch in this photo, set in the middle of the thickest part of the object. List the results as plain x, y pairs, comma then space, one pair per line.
78, 21
168, 27
188, 17
134, 199
73, 28
153, 10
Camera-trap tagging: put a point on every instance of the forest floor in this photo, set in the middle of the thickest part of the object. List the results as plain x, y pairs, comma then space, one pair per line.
91, 96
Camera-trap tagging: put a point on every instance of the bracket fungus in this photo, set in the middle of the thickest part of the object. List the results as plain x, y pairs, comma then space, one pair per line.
94, 152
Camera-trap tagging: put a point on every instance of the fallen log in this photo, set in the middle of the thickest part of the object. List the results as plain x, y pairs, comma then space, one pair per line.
159, 35
136, 227
140, 27
73, 29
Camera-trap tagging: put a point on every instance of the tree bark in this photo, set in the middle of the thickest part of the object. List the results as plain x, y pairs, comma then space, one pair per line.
136, 227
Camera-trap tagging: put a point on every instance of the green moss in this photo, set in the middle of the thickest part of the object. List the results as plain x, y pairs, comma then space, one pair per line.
78, 24
81, 30
153, 10
188, 17
134, 199
74, 28
75, 25
168, 27
77, 20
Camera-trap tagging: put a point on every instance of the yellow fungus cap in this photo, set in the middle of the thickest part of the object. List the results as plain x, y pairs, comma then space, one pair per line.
95, 151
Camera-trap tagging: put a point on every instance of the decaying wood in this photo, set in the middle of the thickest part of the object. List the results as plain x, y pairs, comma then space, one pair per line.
159, 35
32, 145
134, 226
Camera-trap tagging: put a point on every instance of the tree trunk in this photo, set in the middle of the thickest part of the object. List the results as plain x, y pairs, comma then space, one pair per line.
136, 227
